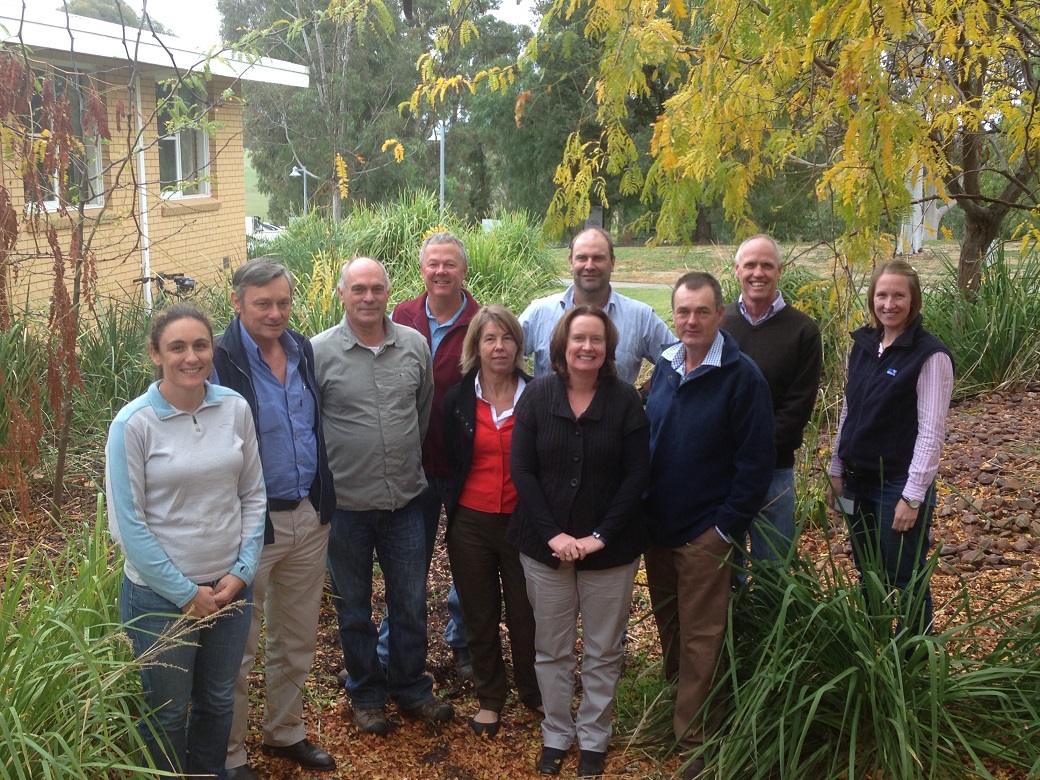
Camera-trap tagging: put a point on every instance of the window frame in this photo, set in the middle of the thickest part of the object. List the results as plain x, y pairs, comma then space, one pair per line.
55, 196
192, 178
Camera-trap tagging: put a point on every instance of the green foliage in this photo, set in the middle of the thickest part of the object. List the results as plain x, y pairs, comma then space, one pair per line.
69, 686
820, 689
508, 265
994, 335
113, 364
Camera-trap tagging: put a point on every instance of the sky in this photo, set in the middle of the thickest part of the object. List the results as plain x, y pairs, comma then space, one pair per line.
198, 21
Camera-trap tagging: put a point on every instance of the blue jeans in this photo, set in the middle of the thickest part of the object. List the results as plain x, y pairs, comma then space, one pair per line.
902, 557
432, 499
398, 540
772, 530
199, 667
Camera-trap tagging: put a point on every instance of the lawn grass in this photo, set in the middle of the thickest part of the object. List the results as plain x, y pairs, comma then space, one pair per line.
256, 203
665, 264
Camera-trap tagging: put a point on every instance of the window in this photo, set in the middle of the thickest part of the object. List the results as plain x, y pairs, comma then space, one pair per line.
67, 160
183, 144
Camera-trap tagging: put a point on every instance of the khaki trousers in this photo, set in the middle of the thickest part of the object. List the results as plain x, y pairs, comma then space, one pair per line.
287, 591
689, 590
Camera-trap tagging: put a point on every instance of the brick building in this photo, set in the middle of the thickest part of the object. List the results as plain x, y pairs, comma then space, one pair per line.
159, 197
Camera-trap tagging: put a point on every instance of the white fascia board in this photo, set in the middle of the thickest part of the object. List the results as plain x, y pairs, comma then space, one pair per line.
42, 30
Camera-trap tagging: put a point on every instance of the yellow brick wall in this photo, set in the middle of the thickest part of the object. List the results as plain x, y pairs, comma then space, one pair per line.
198, 236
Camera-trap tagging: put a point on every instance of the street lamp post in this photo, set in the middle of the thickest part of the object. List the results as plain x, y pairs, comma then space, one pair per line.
438, 135
301, 170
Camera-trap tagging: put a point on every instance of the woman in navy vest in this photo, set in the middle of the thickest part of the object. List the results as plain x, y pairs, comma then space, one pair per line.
891, 430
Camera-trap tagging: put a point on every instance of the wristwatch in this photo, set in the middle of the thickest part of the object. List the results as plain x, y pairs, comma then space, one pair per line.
915, 505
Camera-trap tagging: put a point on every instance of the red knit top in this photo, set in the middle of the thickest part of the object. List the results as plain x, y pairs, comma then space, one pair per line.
488, 486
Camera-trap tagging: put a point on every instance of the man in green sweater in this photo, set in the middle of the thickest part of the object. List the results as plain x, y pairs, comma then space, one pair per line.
785, 344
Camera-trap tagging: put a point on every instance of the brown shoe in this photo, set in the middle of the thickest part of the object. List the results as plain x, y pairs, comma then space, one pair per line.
371, 720
432, 711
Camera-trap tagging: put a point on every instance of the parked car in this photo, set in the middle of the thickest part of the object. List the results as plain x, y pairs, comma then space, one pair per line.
258, 231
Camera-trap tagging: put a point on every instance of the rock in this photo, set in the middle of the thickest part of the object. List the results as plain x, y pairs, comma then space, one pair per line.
972, 556
1023, 521
1025, 503
1022, 545
985, 479
994, 559
970, 519
989, 466
1012, 483
947, 550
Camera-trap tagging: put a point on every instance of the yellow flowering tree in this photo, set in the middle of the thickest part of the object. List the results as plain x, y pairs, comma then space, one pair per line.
871, 96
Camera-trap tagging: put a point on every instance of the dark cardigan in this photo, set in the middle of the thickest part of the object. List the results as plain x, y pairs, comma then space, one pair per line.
460, 424
579, 476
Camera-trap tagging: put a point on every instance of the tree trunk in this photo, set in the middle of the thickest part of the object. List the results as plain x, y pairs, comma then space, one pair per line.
980, 229
702, 233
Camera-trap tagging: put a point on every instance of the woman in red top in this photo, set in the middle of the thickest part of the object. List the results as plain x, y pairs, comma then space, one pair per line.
478, 428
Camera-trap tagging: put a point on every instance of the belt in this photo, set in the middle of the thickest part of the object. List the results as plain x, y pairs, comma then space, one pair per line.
283, 504
865, 475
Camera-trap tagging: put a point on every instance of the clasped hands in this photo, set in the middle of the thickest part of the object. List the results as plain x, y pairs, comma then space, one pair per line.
567, 548
208, 601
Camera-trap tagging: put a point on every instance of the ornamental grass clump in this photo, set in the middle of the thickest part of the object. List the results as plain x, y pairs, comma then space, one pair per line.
994, 334
818, 687
69, 684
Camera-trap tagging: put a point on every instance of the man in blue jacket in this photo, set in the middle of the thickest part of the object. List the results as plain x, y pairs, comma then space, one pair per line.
711, 462
273, 368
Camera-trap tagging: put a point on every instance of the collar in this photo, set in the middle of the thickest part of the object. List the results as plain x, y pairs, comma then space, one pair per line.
676, 355
454, 318
567, 300
351, 339
163, 408
252, 349
777, 304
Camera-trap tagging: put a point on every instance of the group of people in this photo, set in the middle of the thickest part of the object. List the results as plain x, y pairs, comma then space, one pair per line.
346, 447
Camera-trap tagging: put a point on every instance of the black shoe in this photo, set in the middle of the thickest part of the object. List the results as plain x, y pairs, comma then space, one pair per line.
303, 753
480, 729
432, 711
694, 769
591, 763
463, 663
550, 761
244, 772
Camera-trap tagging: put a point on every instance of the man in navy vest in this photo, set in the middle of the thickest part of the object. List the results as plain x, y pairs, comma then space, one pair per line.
273, 368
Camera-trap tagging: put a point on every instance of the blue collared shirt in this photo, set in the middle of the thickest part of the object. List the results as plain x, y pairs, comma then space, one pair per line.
777, 304
439, 330
285, 422
641, 333
676, 354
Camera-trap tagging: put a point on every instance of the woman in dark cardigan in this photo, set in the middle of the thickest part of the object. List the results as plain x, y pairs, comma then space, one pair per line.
478, 425
580, 463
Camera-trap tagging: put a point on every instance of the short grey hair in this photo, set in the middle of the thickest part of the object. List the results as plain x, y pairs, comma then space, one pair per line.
258, 272
756, 237
346, 267
444, 237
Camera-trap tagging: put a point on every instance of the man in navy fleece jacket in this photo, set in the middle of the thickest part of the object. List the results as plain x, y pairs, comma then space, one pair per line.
712, 456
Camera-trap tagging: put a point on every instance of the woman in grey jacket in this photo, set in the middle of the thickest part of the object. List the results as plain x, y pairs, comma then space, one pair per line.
186, 504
